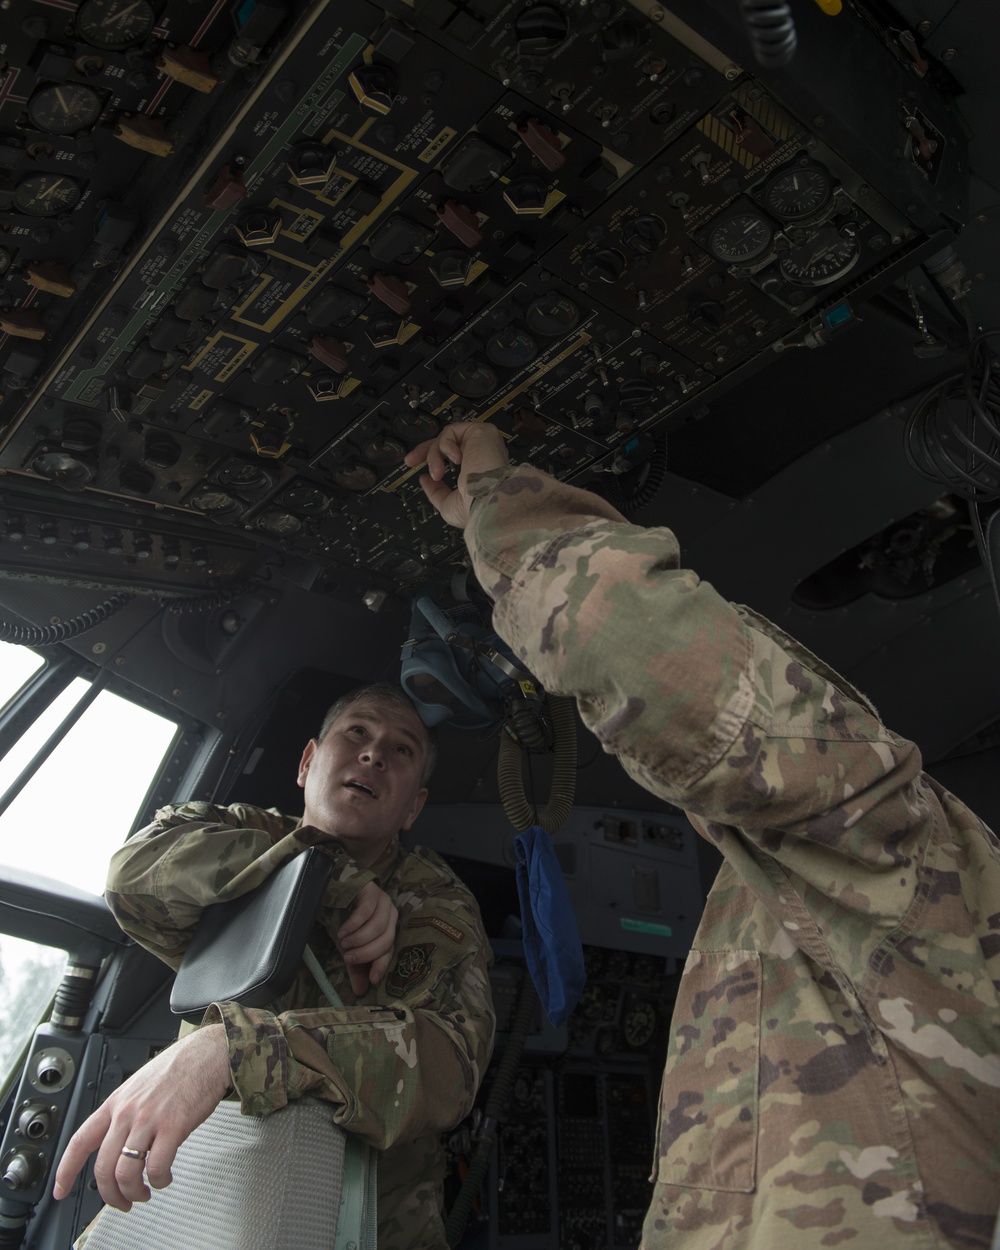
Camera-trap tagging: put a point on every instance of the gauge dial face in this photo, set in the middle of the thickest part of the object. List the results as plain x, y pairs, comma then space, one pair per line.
6, 259
114, 23
473, 379
306, 499
741, 238
383, 452
279, 524
64, 108
552, 315
212, 501
825, 258
799, 192
46, 195
511, 348
355, 476
415, 426
639, 1025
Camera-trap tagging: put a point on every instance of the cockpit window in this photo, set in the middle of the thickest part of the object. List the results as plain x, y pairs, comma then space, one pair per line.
16, 665
73, 784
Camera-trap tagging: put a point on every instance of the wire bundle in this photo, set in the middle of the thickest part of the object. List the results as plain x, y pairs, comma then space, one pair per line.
953, 433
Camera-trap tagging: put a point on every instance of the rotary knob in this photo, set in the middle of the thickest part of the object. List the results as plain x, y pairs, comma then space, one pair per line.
605, 265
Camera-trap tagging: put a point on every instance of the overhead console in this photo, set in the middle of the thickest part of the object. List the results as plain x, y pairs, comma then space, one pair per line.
252, 255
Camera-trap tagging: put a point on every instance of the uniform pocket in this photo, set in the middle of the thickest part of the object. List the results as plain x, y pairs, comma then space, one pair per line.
707, 1130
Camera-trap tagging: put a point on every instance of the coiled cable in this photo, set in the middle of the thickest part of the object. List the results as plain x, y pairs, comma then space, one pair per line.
953, 433
49, 635
770, 28
215, 599
639, 486
510, 780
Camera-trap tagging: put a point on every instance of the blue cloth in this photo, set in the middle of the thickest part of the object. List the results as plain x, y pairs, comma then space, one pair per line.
551, 937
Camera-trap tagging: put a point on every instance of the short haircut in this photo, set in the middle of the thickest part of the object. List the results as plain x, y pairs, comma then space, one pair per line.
387, 697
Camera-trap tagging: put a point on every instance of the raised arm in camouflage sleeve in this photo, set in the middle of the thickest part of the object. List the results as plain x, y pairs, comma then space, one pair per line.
833, 1072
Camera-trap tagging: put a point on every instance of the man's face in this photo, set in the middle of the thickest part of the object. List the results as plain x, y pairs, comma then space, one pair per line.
362, 782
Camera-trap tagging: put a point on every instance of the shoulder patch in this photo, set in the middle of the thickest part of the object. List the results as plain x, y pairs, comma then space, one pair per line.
412, 966
436, 922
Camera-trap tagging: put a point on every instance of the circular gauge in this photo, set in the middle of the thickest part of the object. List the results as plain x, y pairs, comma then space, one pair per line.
64, 108
740, 238
63, 469
247, 477
823, 259
383, 452
279, 524
355, 476
309, 500
213, 502
472, 379
639, 1025
511, 347
415, 426
46, 195
552, 314
114, 23
6, 259
799, 192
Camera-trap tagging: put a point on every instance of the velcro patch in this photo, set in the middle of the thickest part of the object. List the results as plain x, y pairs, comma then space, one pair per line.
411, 967
449, 930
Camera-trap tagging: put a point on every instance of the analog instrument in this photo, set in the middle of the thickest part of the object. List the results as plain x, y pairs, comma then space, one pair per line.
114, 24
212, 501
64, 108
279, 524
740, 238
415, 427
306, 499
355, 476
799, 192
822, 259
46, 195
552, 315
6, 259
511, 348
639, 1025
383, 452
244, 477
472, 379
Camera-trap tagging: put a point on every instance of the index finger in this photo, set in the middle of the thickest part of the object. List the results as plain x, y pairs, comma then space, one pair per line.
437, 452
82, 1145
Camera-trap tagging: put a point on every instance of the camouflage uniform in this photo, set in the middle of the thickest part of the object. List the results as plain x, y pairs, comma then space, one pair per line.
833, 1074
399, 1065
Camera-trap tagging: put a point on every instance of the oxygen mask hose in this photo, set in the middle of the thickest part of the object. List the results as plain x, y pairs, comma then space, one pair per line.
510, 777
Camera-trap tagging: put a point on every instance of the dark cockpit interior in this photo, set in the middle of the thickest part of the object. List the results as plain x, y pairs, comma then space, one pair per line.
730, 265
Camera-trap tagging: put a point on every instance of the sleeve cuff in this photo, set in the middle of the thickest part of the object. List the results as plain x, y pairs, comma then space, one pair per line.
258, 1056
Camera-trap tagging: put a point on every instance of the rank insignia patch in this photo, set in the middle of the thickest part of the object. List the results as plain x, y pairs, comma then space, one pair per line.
411, 967
435, 922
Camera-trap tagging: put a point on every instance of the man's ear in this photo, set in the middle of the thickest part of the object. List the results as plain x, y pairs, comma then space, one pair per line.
416, 809
306, 760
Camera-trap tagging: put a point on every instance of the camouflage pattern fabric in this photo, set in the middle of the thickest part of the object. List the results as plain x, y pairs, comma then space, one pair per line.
399, 1065
833, 1074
